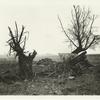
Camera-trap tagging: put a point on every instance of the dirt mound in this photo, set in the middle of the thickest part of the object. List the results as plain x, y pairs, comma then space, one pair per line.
46, 61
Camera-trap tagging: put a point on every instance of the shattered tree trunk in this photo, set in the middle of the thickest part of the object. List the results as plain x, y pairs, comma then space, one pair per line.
17, 44
75, 64
78, 58
25, 67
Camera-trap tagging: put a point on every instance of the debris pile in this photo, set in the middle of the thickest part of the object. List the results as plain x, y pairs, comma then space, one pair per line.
72, 65
76, 64
46, 62
44, 67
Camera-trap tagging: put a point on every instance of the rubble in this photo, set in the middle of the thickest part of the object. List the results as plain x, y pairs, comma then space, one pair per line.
72, 65
46, 61
75, 64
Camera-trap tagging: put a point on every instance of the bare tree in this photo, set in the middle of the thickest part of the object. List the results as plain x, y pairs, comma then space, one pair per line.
81, 31
17, 44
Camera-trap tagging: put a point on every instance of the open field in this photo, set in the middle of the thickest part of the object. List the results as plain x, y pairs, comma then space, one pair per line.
94, 58
86, 84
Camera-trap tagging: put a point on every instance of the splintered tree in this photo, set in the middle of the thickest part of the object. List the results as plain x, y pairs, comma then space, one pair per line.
81, 31
17, 44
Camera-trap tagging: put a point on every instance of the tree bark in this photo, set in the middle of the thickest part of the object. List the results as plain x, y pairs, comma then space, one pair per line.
25, 67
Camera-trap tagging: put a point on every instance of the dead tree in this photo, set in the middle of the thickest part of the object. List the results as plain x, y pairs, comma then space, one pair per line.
17, 44
81, 31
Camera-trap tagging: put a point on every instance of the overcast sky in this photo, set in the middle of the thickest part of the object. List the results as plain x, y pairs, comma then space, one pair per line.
40, 18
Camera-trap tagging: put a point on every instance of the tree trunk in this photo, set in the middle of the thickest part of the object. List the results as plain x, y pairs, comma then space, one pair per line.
78, 50
25, 67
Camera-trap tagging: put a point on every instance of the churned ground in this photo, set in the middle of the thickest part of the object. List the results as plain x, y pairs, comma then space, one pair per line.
86, 84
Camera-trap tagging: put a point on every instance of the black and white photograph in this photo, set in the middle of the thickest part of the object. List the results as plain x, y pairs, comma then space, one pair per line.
50, 47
